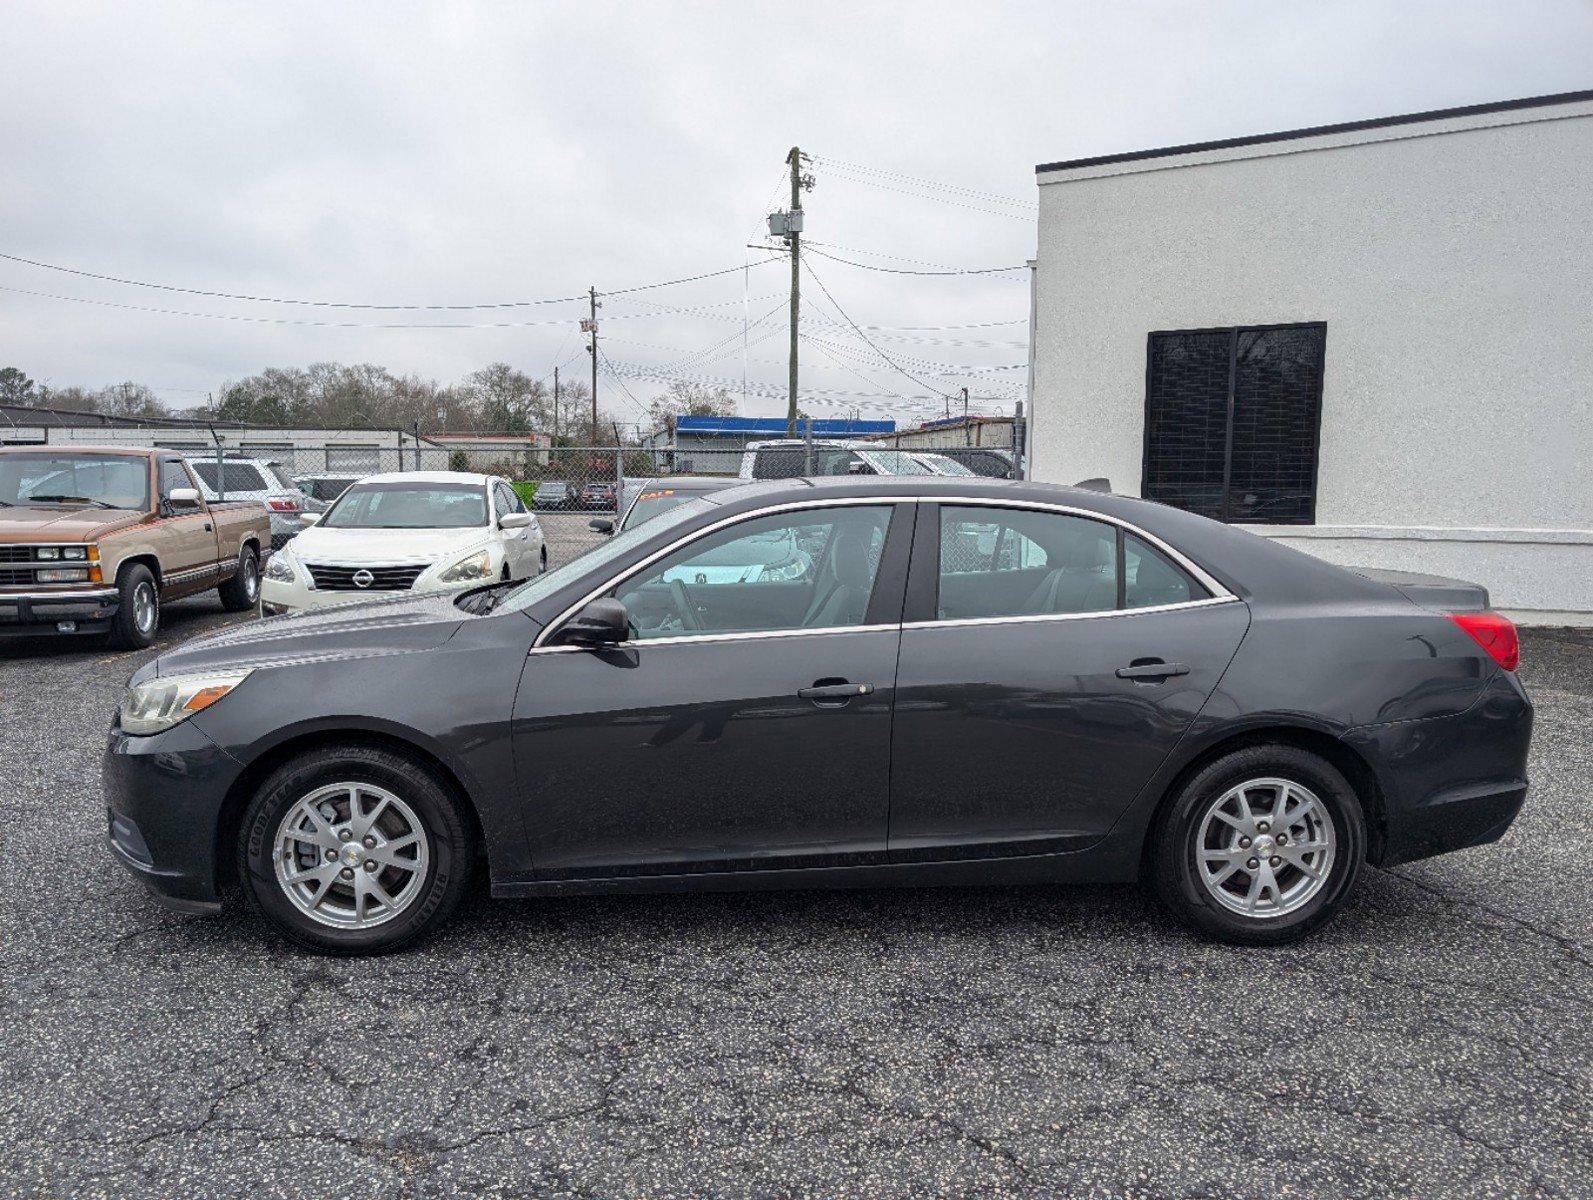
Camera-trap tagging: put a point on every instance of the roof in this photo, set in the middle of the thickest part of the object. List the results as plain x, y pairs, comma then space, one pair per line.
73, 448
427, 477
707, 426
1437, 114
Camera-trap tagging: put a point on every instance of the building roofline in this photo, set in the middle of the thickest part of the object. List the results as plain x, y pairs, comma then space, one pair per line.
1437, 114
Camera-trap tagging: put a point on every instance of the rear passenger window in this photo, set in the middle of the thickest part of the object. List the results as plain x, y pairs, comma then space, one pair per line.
1150, 579
1014, 563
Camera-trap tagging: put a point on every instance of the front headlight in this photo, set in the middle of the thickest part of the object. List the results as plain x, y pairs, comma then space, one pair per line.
161, 703
477, 566
279, 568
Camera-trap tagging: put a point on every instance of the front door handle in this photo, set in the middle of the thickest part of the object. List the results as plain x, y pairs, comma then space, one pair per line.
833, 693
1151, 669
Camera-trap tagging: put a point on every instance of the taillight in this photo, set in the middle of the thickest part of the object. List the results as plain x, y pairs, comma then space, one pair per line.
284, 505
1495, 634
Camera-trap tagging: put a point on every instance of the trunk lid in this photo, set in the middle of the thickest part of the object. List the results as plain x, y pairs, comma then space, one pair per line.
1430, 591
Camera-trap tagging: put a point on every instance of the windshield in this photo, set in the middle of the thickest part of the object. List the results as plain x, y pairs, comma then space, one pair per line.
894, 462
407, 504
541, 586
96, 479
653, 502
240, 477
941, 465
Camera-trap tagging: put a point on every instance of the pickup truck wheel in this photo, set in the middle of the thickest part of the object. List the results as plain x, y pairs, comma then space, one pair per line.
354, 849
138, 613
242, 591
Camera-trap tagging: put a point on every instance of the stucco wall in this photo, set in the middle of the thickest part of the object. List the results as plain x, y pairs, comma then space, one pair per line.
1453, 264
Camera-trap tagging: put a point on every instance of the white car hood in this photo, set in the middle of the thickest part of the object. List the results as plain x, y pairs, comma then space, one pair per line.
319, 545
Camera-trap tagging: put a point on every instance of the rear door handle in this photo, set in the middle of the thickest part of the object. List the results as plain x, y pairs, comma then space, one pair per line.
1152, 669
834, 692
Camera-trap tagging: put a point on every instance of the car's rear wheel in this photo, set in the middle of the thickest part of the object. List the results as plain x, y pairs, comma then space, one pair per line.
354, 850
242, 591
138, 611
1261, 847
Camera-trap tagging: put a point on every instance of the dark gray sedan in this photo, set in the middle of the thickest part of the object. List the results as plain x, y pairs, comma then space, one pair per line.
957, 681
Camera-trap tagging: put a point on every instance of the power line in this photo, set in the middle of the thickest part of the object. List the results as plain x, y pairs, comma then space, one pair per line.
167, 287
921, 181
903, 271
864, 336
923, 195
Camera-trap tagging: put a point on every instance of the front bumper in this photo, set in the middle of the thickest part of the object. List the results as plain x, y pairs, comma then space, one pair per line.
163, 801
278, 597
31, 613
1451, 782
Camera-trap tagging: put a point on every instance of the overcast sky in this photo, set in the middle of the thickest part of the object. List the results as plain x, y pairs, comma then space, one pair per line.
460, 153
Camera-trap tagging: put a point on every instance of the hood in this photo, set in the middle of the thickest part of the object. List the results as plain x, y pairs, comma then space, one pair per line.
318, 545
61, 522
364, 629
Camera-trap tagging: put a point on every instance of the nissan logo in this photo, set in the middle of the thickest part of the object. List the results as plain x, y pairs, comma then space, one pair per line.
363, 578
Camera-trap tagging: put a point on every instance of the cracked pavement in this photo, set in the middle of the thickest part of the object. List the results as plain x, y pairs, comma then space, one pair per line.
1435, 1041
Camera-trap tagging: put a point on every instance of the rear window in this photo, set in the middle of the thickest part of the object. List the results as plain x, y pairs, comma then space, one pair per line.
240, 477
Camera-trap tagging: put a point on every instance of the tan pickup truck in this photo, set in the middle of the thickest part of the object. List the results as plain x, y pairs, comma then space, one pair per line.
94, 539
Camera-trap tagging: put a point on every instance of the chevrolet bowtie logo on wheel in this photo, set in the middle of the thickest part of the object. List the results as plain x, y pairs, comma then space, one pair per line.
363, 578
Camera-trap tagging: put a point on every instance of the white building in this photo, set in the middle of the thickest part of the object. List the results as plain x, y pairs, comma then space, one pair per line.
1373, 341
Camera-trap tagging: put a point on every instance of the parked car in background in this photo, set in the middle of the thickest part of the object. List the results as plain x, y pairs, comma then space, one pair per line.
554, 494
420, 531
988, 461
789, 458
597, 496
95, 540
257, 480
320, 490
653, 497
1105, 690
940, 464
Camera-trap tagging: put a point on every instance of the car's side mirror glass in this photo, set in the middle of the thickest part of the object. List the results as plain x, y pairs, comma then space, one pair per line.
309, 518
514, 520
183, 497
600, 526
602, 622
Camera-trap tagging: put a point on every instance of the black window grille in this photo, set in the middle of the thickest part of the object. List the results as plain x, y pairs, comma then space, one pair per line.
1232, 421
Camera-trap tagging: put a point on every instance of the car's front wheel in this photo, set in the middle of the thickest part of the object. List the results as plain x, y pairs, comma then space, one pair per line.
1261, 846
354, 850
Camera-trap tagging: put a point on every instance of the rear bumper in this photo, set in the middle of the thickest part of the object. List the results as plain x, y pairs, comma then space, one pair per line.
32, 613
1451, 782
163, 799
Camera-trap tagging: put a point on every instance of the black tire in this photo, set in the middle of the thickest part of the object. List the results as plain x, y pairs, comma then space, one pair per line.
543, 569
137, 619
1175, 870
451, 848
242, 591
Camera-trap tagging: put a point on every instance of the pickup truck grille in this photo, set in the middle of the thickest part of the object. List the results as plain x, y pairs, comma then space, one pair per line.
15, 576
16, 554
383, 579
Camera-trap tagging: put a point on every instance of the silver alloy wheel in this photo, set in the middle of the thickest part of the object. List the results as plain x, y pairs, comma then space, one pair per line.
251, 577
144, 607
351, 855
1266, 847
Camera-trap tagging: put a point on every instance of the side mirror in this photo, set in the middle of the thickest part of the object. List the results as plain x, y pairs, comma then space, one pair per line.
309, 518
602, 622
514, 520
183, 497
600, 526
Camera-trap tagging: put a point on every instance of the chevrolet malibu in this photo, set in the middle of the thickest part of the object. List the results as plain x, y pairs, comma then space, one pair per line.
970, 682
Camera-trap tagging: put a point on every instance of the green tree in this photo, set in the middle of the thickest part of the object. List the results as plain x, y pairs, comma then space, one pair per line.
15, 387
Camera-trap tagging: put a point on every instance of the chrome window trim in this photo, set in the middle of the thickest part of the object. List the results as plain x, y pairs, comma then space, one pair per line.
1219, 593
792, 505
746, 635
1030, 618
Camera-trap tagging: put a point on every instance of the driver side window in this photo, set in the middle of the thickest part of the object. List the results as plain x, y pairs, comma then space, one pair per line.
173, 475
811, 569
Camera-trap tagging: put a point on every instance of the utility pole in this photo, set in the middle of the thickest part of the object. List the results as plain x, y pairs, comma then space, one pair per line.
789, 226
555, 404
591, 327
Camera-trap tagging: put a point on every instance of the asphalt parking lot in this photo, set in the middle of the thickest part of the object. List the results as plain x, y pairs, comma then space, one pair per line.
1435, 1041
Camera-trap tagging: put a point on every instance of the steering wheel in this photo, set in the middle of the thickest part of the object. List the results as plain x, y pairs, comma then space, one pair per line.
682, 598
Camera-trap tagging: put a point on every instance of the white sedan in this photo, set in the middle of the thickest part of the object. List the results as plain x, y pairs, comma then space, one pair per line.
408, 531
